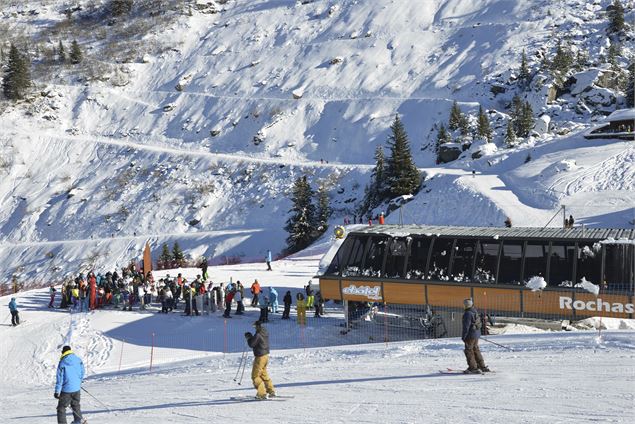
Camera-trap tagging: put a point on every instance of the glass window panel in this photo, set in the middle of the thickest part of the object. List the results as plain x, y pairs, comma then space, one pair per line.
440, 260
589, 264
486, 260
396, 258
341, 256
536, 259
375, 257
511, 260
418, 257
618, 269
561, 265
463, 260
354, 261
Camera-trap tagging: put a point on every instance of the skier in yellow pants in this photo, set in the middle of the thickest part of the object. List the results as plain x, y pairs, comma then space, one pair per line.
301, 309
259, 342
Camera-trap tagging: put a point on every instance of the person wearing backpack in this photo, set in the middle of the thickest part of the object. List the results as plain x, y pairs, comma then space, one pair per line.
470, 336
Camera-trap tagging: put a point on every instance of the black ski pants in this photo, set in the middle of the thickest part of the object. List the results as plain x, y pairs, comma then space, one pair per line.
15, 318
65, 400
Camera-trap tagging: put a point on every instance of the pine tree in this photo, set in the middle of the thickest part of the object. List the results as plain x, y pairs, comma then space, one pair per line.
402, 176
166, 256
301, 224
455, 117
630, 88
120, 7
616, 17
442, 137
510, 135
615, 50
526, 120
75, 55
177, 254
61, 52
484, 130
17, 76
516, 113
376, 191
524, 75
561, 63
323, 210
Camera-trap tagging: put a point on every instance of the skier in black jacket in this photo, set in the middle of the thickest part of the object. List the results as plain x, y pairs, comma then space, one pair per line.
288, 300
470, 335
259, 342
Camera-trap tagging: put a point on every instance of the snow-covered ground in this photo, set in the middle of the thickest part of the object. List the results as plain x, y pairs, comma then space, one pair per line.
90, 171
549, 377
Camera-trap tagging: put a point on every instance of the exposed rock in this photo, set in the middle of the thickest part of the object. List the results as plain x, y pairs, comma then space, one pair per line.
336, 60
169, 107
497, 89
449, 152
194, 222
207, 7
297, 93
214, 132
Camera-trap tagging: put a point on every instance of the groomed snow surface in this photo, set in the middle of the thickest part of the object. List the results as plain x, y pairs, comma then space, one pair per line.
549, 377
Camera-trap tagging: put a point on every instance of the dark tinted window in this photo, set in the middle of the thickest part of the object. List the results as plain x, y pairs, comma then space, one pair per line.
418, 257
353, 262
486, 260
510, 262
561, 265
619, 266
463, 260
440, 260
336, 264
589, 264
375, 257
396, 258
536, 259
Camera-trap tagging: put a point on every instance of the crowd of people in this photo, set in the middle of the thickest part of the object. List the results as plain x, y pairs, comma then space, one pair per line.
200, 296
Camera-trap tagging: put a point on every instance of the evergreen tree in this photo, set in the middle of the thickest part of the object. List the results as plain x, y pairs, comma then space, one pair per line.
526, 120
484, 130
561, 63
301, 223
402, 175
458, 120
524, 75
615, 50
323, 210
516, 113
166, 256
442, 137
510, 135
630, 88
177, 254
120, 7
376, 191
616, 17
61, 52
581, 60
17, 76
75, 55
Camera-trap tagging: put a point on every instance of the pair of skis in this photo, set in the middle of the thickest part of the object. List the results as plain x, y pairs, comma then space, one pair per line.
461, 372
255, 399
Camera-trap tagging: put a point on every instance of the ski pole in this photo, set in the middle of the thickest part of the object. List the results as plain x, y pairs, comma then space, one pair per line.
494, 343
243, 373
242, 358
103, 404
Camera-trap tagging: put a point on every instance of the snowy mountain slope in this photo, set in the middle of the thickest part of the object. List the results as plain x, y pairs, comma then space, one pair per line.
205, 134
549, 377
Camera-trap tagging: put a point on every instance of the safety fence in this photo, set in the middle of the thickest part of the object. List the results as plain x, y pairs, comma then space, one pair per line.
159, 338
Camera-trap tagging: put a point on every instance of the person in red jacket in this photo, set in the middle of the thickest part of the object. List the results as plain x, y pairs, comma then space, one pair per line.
229, 297
92, 281
381, 218
255, 291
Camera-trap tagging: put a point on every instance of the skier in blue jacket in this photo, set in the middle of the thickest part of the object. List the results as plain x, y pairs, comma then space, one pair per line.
470, 336
70, 373
15, 317
273, 300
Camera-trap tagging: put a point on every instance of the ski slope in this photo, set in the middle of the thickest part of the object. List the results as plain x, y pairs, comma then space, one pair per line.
549, 377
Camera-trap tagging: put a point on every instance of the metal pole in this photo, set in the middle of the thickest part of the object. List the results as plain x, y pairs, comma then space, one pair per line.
494, 343
243, 373
564, 216
102, 404
242, 358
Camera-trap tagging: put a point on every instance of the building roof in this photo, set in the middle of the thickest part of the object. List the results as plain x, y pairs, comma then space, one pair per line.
503, 232
621, 115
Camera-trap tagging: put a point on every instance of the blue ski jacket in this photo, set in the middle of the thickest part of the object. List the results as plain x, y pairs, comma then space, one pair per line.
70, 373
12, 305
